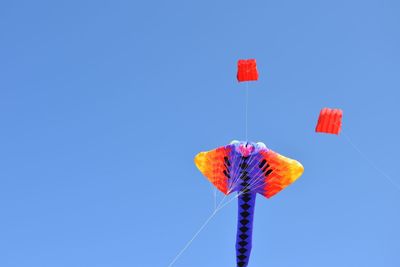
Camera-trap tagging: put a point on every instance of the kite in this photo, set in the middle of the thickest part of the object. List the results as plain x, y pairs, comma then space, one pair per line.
329, 121
247, 168
247, 70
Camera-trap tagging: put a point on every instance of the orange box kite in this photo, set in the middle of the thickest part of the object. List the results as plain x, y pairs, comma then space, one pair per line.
247, 70
329, 121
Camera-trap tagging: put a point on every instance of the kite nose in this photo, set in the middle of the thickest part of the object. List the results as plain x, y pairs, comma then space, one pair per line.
246, 149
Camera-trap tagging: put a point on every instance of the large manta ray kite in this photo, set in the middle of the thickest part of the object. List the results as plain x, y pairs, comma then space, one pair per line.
247, 168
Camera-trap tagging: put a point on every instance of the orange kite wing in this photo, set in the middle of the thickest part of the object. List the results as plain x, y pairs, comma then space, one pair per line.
213, 164
281, 172
329, 121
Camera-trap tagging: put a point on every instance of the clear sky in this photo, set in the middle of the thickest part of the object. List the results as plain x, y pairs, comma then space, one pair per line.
104, 104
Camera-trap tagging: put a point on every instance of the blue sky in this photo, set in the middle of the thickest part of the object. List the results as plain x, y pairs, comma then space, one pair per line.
104, 104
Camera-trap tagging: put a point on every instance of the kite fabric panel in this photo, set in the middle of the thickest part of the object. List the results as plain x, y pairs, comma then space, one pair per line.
247, 70
329, 121
247, 168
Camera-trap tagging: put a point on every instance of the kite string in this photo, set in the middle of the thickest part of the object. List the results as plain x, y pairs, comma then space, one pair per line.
239, 194
217, 209
193, 238
247, 105
369, 161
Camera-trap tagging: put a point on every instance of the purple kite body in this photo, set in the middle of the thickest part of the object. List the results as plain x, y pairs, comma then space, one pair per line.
244, 235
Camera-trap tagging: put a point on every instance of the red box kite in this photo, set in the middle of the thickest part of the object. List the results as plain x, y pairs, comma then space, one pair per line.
247, 70
329, 121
